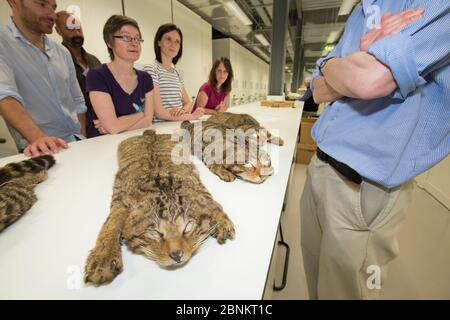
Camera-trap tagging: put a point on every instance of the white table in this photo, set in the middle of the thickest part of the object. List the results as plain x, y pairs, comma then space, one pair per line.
42, 255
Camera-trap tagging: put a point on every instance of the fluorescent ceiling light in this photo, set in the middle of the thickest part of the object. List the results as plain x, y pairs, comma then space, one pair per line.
346, 7
327, 49
237, 11
262, 39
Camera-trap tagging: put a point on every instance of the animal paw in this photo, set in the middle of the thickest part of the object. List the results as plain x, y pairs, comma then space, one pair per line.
42, 176
224, 229
277, 140
102, 266
226, 176
222, 173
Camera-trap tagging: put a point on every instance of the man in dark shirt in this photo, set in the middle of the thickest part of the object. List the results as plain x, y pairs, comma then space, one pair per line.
69, 28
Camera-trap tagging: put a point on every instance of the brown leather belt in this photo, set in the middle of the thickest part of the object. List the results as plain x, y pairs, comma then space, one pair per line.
340, 167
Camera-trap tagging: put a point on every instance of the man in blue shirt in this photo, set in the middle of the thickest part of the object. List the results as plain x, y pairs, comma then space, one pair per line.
388, 81
40, 98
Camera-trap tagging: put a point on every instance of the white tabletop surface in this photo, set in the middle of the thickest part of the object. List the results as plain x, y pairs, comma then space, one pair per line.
42, 255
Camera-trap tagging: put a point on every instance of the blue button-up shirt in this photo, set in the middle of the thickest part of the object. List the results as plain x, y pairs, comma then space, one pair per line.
45, 84
393, 139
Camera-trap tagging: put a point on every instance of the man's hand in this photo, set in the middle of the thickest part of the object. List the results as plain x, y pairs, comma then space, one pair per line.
176, 112
45, 145
390, 24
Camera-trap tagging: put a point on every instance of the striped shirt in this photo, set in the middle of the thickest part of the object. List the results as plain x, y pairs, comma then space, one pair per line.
393, 139
170, 84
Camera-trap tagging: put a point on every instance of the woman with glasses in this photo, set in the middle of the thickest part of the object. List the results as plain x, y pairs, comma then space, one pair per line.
212, 94
121, 96
171, 99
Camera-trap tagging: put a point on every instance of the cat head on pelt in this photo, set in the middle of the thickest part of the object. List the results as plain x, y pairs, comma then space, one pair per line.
165, 227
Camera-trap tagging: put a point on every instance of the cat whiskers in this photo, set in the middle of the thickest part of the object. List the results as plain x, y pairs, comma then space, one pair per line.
148, 253
203, 238
142, 246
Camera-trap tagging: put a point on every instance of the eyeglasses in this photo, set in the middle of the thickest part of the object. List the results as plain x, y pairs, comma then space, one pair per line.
129, 39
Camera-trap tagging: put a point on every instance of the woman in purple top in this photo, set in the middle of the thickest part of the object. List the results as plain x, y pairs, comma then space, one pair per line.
212, 94
121, 96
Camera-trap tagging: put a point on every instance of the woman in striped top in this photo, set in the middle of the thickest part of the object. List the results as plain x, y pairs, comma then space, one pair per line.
171, 99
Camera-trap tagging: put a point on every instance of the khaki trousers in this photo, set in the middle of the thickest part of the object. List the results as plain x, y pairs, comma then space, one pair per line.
348, 233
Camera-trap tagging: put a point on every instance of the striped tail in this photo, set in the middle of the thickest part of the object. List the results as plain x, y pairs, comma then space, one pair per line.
33, 165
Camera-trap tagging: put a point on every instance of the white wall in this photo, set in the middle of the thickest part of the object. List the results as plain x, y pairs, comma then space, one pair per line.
197, 47
221, 48
5, 12
93, 17
251, 74
149, 20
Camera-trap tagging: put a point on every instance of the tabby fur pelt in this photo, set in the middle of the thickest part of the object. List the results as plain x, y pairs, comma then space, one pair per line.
159, 209
17, 182
240, 158
245, 122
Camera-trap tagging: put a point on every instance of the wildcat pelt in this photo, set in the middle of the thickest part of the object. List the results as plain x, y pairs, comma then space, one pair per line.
235, 151
159, 209
17, 183
245, 122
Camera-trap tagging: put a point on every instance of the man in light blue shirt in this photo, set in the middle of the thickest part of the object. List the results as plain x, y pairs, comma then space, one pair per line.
40, 98
388, 81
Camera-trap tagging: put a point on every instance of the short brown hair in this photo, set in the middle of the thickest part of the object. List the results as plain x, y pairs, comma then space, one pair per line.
227, 85
162, 30
114, 24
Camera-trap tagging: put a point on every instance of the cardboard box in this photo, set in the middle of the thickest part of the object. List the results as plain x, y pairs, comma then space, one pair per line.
305, 131
305, 152
277, 104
